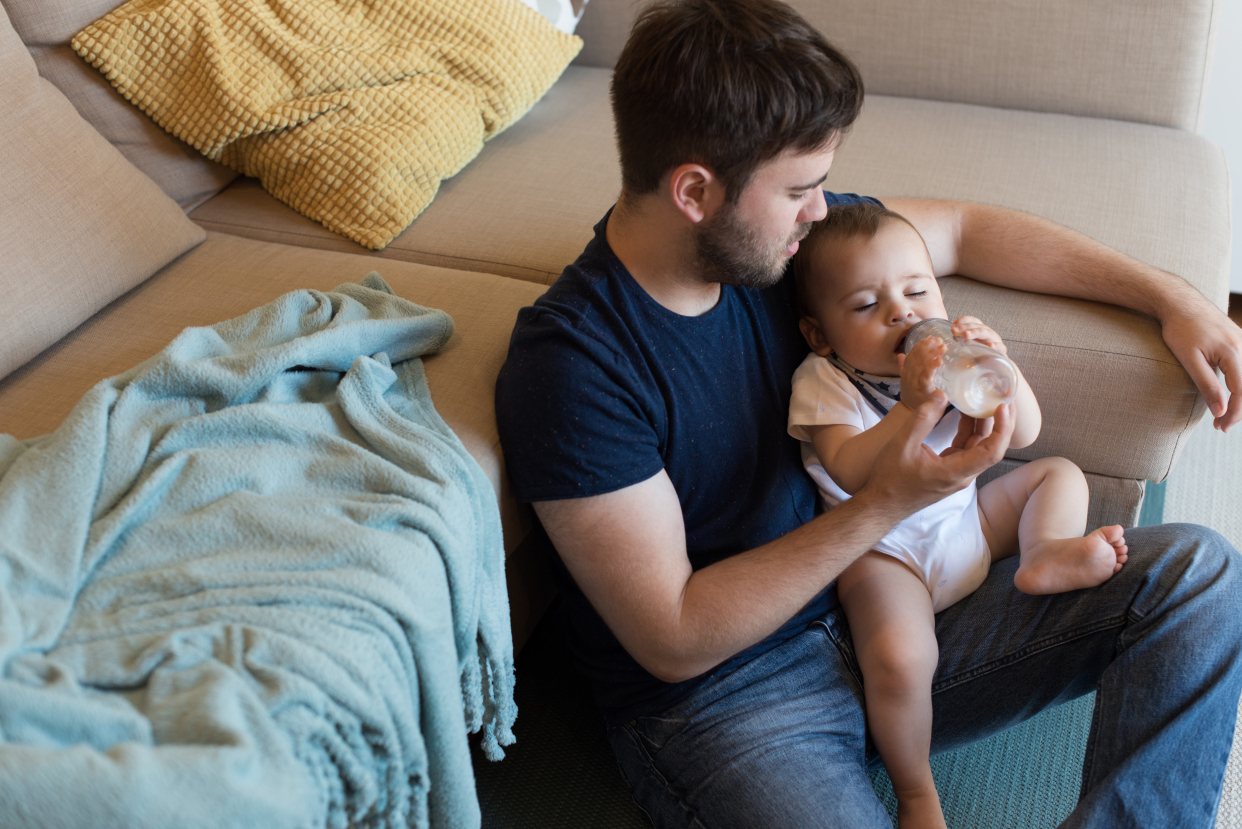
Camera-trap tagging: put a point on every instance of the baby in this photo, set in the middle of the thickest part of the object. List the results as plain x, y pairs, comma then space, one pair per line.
864, 279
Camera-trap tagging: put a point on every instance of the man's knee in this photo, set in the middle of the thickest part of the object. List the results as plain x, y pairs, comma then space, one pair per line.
1195, 551
1194, 565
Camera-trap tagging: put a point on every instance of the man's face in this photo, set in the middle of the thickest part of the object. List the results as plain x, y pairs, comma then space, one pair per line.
749, 243
866, 293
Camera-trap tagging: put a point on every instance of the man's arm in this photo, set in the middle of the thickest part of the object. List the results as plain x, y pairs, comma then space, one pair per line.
627, 551
1017, 250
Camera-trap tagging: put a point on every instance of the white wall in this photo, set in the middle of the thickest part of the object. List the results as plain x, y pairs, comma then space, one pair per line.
1222, 117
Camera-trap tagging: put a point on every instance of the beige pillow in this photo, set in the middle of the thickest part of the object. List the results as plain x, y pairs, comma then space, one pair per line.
46, 26
79, 225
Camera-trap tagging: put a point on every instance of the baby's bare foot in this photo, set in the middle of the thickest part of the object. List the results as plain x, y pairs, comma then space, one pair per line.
1072, 563
920, 810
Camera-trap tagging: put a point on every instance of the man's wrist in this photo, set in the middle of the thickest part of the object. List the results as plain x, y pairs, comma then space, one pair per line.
1166, 295
880, 500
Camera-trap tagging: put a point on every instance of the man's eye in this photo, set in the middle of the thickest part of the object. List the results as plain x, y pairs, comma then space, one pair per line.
798, 196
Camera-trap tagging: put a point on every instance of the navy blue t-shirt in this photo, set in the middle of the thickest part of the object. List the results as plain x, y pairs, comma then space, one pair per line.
604, 387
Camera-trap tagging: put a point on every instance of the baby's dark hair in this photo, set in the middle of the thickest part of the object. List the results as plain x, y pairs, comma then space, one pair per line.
843, 221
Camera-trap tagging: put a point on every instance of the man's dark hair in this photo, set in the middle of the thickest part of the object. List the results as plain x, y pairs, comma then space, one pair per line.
846, 221
729, 84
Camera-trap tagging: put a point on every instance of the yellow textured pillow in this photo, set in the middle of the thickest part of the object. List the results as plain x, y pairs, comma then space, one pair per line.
353, 113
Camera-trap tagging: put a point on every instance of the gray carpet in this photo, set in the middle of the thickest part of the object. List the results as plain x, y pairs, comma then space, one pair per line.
561, 773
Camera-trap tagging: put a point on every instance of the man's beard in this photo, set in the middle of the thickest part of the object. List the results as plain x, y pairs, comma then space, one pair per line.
731, 252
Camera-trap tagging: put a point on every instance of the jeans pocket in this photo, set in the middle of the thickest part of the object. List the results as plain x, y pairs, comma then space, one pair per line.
656, 731
837, 629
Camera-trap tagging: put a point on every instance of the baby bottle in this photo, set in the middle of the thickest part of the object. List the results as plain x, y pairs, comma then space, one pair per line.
975, 378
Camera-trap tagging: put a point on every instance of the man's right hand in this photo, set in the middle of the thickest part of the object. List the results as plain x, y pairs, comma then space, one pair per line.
908, 475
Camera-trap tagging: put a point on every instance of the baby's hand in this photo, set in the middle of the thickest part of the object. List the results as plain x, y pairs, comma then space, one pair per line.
917, 369
972, 329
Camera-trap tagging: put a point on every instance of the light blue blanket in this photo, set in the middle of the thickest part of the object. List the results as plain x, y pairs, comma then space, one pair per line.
254, 582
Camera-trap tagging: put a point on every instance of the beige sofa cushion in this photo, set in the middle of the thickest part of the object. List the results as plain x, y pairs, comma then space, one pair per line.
1157, 194
1112, 500
1154, 193
1136, 60
79, 225
1115, 401
46, 26
523, 207
227, 276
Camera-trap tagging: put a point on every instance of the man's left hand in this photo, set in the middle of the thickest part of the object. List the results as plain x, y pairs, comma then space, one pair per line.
1203, 340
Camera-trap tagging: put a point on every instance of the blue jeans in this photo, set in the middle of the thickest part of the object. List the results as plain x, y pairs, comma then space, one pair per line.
780, 741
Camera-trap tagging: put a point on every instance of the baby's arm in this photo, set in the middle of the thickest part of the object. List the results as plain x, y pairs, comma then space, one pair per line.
1027, 417
848, 453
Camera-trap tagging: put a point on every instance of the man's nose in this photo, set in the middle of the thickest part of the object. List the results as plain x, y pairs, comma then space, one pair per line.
815, 209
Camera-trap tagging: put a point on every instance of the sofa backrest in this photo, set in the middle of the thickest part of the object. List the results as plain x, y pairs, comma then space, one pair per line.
45, 27
79, 225
1133, 60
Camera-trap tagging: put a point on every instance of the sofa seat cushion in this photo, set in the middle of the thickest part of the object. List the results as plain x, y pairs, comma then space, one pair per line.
523, 207
227, 276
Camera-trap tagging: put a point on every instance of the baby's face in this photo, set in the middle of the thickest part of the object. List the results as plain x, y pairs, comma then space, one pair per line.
865, 294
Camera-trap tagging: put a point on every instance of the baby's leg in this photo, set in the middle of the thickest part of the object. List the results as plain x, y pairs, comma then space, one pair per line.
1040, 510
894, 633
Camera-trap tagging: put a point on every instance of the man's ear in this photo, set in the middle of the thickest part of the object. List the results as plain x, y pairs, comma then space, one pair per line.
696, 191
814, 336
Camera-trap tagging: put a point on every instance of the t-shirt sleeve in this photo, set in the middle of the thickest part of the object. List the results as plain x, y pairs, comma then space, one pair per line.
575, 418
821, 397
849, 198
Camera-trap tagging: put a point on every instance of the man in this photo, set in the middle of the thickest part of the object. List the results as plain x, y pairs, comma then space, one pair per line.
642, 411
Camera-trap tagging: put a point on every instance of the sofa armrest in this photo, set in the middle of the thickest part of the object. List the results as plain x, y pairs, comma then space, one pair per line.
1115, 400
1132, 60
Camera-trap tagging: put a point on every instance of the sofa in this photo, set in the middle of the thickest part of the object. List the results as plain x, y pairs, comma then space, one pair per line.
1085, 113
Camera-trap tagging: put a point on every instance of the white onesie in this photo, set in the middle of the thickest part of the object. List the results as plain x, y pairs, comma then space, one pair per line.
942, 543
